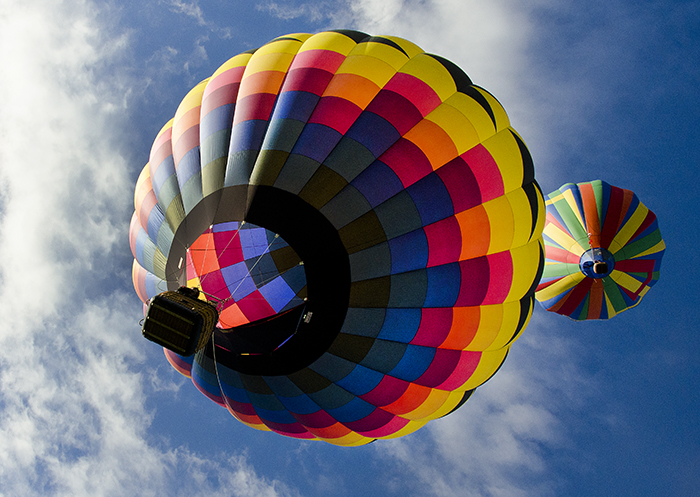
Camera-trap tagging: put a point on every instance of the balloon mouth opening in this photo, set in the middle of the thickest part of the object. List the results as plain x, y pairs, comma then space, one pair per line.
597, 263
307, 288
251, 272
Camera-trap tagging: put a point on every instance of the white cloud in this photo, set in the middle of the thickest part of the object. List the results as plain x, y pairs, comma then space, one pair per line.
500, 443
489, 39
172, 67
194, 11
310, 12
191, 9
73, 416
492, 40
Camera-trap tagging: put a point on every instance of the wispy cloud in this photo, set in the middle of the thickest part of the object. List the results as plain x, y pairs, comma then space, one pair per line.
73, 416
490, 40
194, 12
500, 443
493, 41
311, 12
190, 9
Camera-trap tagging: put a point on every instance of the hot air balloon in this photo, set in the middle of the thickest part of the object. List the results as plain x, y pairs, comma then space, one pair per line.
603, 251
366, 222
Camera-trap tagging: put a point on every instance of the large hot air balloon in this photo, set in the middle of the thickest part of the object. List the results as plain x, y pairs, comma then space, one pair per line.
366, 221
603, 251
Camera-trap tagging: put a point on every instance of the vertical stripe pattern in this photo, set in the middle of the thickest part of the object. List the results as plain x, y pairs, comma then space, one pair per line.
596, 221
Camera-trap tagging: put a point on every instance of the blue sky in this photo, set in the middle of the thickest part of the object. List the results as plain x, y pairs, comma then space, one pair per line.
598, 90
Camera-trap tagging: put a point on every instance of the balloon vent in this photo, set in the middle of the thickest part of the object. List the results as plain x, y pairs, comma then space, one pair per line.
179, 321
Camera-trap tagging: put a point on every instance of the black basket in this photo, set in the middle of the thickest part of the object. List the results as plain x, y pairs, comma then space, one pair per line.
180, 322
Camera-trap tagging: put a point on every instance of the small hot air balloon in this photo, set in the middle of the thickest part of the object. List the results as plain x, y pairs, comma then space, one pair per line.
603, 251
364, 218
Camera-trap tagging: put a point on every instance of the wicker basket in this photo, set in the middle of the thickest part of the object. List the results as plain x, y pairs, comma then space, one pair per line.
179, 322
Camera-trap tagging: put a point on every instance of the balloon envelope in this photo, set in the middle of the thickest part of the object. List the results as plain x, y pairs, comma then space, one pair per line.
603, 251
368, 221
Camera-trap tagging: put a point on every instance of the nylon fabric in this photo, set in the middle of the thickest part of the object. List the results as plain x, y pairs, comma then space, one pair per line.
420, 185
585, 217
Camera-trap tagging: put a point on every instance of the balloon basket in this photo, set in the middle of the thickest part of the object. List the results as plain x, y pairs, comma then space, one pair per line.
179, 322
